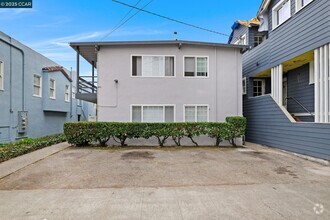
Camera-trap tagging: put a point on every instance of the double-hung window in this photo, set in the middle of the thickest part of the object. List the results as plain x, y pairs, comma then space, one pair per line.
67, 93
302, 3
37, 85
1, 75
152, 113
196, 113
153, 66
196, 66
258, 87
52, 89
73, 92
281, 12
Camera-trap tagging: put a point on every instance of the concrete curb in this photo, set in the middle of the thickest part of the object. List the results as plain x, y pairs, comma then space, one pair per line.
309, 158
15, 164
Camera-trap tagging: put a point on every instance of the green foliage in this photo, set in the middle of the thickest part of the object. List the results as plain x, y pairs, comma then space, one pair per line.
236, 128
82, 133
26, 145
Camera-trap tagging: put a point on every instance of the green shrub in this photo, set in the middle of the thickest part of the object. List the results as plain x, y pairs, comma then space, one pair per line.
26, 145
82, 133
236, 128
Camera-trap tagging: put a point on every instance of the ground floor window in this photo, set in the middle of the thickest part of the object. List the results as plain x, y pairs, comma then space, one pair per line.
152, 113
258, 87
196, 113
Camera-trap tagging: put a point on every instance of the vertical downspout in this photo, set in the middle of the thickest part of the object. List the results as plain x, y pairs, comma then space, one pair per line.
93, 74
78, 69
71, 94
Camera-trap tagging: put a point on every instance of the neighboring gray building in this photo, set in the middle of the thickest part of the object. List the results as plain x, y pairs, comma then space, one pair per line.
286, 75
164, 81
36, 94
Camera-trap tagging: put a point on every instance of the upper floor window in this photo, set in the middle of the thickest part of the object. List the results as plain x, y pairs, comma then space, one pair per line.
1, 75
281, 12
152, 113
73, 92
52, 92
244, 86
242, 40
37, 85
67, 93
302, 3
153, 66
258, 87
196, 113
258, 39
196, 66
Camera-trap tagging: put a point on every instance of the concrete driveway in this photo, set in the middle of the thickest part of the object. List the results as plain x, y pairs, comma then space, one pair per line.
85, 183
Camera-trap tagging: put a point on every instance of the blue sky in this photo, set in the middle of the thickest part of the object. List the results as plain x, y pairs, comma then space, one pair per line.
51, 24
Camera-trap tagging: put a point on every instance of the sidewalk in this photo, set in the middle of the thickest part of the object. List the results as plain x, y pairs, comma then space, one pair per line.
15, 164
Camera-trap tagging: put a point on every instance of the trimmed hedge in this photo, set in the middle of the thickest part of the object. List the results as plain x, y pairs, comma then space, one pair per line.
26, 145
83, 133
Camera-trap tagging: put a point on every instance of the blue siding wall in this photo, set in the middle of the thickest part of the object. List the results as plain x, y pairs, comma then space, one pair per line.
306, 30
268, 125
300, 89
45, 116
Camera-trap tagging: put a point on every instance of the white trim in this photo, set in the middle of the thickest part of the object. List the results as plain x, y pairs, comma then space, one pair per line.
2, 75
244, 88
311, 73
156, 105
196, 77
196, 105
275, 9
73, 92
67, 93
301, 7
242, 40
40, 86
303, 114
54, 97
148, 55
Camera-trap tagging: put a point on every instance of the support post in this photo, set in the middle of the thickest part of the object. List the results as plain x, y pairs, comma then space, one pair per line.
280, 86
78, 69
93, 75
317, 85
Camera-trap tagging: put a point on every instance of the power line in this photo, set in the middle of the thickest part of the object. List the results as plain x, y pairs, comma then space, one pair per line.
171, 19
120, 23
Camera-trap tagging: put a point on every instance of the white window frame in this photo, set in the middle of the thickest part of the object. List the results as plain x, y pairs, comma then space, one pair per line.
2, 76
196, 105
244, 85
140, 55
299, 3
242, 40
50, 89
311, 73
150, 105
263, 87
39, 86
275, 9
195, 74
67, 93
73, 92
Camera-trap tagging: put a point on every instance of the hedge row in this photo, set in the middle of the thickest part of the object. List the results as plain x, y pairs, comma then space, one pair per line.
26, 145
83, 133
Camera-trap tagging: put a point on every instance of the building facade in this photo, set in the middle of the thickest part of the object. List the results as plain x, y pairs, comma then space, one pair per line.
286, 75
36, 94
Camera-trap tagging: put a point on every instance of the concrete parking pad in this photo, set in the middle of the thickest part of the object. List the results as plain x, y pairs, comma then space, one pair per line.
195, 183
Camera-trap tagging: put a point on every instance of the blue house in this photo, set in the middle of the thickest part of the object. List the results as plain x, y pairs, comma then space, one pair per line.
36, 94
286, 73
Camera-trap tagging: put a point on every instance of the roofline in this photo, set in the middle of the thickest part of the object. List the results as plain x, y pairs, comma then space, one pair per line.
169, 42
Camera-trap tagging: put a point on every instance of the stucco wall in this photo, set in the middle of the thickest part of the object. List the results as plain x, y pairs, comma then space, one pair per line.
221, 90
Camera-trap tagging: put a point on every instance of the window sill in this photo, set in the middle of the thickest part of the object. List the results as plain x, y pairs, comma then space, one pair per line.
281, 23
163, 77
52, 98
37, 96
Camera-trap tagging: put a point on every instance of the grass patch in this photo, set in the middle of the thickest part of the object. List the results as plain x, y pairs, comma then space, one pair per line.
27, 145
